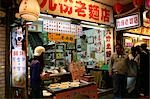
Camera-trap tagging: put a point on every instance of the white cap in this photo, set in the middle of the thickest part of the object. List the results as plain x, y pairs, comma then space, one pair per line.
39, 50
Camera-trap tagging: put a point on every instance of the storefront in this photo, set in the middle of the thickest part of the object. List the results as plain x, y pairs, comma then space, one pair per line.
75, 34
134, 30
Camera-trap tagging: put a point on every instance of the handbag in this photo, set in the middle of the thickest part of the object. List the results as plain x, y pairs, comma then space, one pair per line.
132, 68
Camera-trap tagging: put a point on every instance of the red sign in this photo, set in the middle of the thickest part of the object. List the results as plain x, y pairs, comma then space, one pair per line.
78, 9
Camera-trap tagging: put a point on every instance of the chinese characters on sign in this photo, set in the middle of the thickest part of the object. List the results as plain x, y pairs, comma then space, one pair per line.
18, 58
99, 41
127, 22
61, 37
18, 68
78, 9
108, 43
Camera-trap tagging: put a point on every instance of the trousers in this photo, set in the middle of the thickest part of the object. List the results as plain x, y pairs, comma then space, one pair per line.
119, 85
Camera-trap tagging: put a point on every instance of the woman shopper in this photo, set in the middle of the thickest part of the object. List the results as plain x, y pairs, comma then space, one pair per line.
134, 60
36, 69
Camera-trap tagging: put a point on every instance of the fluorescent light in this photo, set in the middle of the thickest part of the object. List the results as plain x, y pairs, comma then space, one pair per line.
29, 23
40, 19
89, 23
90, 26
102, 25
62, 18
45, 16
131, 35
135, 35
145, 37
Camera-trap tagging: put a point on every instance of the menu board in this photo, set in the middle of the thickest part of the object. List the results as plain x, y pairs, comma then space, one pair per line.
57, 26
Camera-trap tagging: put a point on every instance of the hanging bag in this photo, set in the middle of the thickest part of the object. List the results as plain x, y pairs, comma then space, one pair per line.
132, 68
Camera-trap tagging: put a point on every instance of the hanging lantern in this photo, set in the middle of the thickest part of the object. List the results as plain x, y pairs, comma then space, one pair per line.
137, 3
146, 15
2, 13
117, 7
147, 4
29, 10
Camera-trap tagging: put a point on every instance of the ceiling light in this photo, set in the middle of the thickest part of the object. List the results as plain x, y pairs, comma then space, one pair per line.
102, 25
145, 37
40, 19
130, 35
62, 18
29, 23
89, 23
45, 16
93, 27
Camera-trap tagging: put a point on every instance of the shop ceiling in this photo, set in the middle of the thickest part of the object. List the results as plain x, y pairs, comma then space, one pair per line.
9, 3
111, 2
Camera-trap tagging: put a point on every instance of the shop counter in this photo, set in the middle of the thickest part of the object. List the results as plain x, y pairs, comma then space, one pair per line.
83, 91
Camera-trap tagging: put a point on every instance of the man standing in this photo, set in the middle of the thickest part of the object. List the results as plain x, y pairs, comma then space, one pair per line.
144, 69
118, 68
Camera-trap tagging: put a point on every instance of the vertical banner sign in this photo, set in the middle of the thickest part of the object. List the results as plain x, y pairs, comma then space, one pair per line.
108, 43
18, 57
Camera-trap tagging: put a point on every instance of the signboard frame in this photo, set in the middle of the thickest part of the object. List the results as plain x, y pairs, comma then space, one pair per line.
129, 27
83, 10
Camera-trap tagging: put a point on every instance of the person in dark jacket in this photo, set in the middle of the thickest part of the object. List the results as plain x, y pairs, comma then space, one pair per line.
144, 69
36, 69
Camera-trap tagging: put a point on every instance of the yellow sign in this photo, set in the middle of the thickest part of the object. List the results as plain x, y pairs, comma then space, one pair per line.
61, 37
79, 9
140, 30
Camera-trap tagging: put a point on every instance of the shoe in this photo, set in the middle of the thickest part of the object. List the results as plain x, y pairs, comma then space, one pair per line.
141, 94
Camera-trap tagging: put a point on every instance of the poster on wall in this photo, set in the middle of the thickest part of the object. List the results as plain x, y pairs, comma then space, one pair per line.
18, 57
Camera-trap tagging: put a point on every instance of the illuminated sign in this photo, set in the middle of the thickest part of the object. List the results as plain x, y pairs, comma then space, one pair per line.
79, 9
140, 30
128, 22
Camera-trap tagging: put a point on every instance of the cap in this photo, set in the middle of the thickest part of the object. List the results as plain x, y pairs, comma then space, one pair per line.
39, 50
